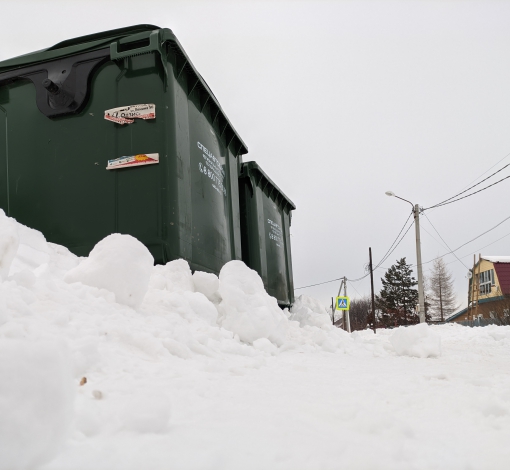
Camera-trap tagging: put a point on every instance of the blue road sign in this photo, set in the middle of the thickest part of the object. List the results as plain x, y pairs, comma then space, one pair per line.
342, 303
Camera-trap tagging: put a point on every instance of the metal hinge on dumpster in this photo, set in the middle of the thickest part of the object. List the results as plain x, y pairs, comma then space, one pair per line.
61, 86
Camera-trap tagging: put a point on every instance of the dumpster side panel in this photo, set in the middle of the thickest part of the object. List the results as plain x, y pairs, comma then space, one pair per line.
210, 195
179, 182
4, 161
57, 178
235, 226
250, 238
138, 189
277, 277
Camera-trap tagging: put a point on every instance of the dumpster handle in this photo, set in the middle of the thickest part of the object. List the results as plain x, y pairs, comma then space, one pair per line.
154, 46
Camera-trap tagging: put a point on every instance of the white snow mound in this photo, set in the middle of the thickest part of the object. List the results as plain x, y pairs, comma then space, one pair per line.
9, 242
118, 263
416, 341
246, 308
36, 402
208, 284
174, 276
310, 312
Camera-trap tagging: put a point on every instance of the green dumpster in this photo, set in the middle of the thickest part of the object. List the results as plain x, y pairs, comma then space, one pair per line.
117, 132
265, 231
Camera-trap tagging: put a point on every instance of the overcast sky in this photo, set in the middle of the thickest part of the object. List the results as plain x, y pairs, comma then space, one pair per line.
339, 102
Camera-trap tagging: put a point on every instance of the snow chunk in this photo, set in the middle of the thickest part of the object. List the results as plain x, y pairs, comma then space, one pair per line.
246, 308
9, 242
208, 284
36, 402
120, 264
309, 312
416, 341
174, 276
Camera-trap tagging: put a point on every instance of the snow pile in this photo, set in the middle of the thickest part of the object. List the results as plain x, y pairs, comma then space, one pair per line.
36, 401
309, 312
416, 341
173, 277
173, 371
246, 308
207, 284
9, 242
120, 264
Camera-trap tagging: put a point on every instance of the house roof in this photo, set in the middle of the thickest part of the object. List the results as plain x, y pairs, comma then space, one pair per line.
503, 272
497, 259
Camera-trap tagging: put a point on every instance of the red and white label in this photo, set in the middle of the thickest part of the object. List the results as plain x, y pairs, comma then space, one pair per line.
134, 160
128, 114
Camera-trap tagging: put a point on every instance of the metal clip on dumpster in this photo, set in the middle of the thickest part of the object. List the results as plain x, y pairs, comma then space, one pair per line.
172, 152
265, 231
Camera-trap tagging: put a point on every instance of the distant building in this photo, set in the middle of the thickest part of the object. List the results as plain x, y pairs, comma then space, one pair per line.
489, 290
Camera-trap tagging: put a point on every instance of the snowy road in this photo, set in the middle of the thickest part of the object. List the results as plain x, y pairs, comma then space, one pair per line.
320, 410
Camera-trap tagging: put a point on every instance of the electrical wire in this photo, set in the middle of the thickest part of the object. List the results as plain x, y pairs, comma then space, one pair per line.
464, 244
430, 222
480, 249
385, 257
444, 203
352, 285
486, 171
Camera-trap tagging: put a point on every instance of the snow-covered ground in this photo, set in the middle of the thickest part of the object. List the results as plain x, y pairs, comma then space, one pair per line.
109, 363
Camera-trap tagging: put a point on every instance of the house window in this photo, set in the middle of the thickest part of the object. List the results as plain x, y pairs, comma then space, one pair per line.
487, 280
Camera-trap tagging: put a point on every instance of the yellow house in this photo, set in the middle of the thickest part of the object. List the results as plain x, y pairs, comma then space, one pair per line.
489, 290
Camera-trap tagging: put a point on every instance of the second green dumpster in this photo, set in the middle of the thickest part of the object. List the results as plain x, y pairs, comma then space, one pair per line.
265, 231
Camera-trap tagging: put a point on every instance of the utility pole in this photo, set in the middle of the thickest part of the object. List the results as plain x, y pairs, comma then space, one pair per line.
372, 287
346, 312
421, 293
332, 310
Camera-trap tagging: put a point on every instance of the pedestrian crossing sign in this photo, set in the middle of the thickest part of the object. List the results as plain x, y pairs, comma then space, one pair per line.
342, 303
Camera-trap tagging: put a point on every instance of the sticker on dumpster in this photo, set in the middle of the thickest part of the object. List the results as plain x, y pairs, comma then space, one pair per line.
135, 160
128, 114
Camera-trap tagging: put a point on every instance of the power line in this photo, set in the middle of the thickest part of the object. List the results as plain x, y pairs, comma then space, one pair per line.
387, 254
480, 249
497, 163
430, 222
352, 285
444, 203
471, 187
464, 244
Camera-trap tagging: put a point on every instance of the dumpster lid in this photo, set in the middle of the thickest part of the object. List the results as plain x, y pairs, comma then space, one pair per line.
74, 46
253, 171
100, 44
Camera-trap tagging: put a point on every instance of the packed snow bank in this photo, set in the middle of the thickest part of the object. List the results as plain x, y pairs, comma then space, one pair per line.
36, 401
246, 308
205, 360
9, 242
120, 264
416, 341
309, 312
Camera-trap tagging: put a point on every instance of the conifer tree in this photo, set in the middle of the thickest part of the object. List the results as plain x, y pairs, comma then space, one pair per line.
441, 294
398, 298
